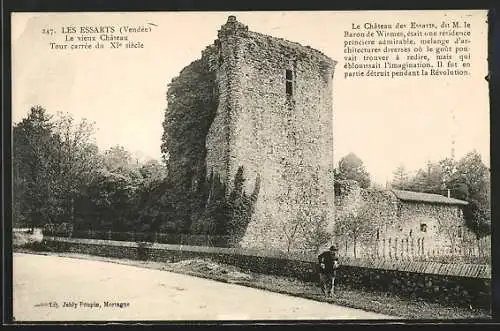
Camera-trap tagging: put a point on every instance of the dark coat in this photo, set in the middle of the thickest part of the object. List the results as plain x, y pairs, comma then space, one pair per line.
328, 262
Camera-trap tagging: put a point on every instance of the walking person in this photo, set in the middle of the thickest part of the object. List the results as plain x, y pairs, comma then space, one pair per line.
328, 266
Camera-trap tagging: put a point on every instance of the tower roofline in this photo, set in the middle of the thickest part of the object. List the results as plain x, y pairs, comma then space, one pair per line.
233, 25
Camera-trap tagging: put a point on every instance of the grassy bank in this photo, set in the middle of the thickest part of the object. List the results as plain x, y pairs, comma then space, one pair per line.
383, 303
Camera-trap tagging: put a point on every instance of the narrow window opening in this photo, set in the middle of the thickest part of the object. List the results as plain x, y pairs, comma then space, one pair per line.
289, 82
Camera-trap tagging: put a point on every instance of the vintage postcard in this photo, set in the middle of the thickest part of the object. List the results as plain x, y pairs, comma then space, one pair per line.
221, 166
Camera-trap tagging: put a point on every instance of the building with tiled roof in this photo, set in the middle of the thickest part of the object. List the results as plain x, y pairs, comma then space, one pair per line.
401, 224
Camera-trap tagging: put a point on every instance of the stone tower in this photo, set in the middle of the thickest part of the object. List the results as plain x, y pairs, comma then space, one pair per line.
273, 118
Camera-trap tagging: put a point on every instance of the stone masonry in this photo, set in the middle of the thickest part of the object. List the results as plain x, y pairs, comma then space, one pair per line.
274, 118
399, 228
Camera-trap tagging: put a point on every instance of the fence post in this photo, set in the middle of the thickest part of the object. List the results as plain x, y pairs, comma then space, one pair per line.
423, 247
394, 248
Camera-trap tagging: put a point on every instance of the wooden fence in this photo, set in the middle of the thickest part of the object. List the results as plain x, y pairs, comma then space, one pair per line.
418, 249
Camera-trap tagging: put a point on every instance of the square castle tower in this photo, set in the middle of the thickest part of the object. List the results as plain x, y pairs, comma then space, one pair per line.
274, 120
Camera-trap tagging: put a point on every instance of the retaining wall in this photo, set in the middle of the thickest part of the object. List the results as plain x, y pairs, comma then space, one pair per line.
463, 284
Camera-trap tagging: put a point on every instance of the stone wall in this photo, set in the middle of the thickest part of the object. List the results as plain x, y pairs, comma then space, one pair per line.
393, 227
442, 226
273, 119
377, 210
460, 284
285, 140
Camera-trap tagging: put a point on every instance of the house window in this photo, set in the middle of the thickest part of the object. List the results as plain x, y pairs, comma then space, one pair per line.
289, 83
423, 227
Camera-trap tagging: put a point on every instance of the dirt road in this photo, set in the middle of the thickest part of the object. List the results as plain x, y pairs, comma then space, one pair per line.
50, 288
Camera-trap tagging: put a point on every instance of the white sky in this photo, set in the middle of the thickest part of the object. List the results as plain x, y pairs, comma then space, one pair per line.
385, 122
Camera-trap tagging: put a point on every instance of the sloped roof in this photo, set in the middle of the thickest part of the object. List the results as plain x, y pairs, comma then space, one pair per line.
426, 197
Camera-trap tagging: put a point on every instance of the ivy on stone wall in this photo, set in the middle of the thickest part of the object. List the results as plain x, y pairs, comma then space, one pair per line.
192, 103
226, 212
241, 206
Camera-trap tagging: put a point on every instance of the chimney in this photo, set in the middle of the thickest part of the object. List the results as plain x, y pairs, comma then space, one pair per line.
448, 193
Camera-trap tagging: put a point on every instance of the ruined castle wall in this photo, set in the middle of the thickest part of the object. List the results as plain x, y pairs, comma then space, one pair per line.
288, 142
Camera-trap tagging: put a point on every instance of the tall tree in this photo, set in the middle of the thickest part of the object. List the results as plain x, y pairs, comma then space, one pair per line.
401, 178
117, 158
356, 227
352, 167
75, 162
54, 160
471, 171
471, 181
33, 151
448, 167
428, 180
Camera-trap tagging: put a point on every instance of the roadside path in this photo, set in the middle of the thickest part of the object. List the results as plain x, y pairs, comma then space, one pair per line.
135, 293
